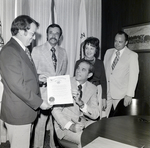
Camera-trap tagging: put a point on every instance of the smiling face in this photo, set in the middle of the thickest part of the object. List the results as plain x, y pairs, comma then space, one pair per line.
53, 35
120, 42
89, 51
82, 72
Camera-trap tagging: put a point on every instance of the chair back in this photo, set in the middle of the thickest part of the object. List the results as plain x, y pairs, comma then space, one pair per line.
137, 107
99, 97
66, 144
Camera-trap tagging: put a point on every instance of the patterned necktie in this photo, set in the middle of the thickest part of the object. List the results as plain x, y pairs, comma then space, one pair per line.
54, 57
29, 55
115, 60
80, 90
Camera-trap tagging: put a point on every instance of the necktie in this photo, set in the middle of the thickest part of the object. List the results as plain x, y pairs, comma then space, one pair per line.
54, 57
29, 55
115, 60
80, 90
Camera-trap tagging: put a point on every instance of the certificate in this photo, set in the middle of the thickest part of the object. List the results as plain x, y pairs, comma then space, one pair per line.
59, 90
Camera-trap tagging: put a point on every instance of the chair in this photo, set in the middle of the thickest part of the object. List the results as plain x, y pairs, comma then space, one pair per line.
137, 107
99, 97
66, 144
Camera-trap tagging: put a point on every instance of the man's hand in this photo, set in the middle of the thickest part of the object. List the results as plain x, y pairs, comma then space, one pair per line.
76, 97
104, 104
45, 105
127, 100
43, 78
76, 127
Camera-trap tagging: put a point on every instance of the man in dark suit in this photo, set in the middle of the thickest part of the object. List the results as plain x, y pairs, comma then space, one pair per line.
71, 120
21, 98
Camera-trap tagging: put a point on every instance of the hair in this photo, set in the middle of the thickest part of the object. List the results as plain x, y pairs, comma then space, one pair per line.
22, 22
91, 69
93, 41
123, 33
52, 26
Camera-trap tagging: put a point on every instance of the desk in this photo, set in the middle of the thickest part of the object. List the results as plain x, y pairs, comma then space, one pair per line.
130, 130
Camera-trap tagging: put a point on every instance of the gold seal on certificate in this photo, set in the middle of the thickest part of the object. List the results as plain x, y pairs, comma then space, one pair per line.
51, 99
59, 90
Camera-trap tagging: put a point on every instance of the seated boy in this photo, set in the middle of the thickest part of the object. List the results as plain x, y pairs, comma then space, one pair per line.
70, 121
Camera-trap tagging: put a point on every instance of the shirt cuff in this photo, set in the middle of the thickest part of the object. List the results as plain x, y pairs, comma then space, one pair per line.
67, 126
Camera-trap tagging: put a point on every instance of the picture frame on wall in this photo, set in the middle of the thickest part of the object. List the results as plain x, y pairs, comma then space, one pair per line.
139, 37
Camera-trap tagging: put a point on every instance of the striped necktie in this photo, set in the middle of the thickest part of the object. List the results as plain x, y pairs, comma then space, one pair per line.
80, 90
28, 54
54, 59
115, 60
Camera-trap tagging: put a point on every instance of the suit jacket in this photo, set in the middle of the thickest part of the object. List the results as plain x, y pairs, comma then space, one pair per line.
123, 79
99, 77
42, 58
21, 91
64, 114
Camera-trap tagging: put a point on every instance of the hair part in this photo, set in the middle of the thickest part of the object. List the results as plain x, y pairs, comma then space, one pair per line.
22, 22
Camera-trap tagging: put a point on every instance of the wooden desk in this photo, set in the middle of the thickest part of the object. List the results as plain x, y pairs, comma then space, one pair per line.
130, 130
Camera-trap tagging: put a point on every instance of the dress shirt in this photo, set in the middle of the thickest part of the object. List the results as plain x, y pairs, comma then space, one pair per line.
114, 54
19, 42
56, 50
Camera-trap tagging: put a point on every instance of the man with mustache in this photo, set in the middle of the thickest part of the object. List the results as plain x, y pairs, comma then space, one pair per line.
50, 60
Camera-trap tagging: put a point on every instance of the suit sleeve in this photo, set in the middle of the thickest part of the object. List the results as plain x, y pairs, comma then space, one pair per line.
12, 66
65, 63
133, 74
35, 57
92, 107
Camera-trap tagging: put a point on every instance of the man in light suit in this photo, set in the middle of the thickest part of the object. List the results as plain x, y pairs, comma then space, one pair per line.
21, 96
71, 120
122, 77
43, 59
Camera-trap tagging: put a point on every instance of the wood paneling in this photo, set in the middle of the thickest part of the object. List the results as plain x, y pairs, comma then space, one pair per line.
117, 14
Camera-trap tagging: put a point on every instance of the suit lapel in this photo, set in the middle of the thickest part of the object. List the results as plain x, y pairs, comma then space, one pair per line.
110, 59
86, 89
123, 58
24, 56
47, 56
86, 92
59, 60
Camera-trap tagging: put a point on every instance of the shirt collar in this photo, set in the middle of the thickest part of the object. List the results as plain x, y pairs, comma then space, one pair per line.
81, 84
121, 51
19, 42
51, 46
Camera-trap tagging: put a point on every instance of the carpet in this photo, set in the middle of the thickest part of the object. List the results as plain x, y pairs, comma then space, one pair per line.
46, 142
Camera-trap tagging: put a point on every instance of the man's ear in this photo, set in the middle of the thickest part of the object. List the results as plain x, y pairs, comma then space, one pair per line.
126, 42
23, 32
90, 74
